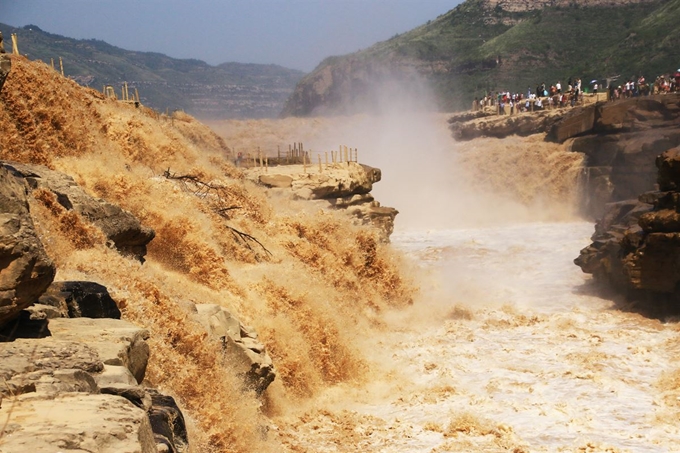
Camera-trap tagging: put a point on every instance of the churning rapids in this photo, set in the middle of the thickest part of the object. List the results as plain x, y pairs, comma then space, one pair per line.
509, 347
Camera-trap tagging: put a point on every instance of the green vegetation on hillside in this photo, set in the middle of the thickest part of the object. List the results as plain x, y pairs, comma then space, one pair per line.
228, 90
473, 49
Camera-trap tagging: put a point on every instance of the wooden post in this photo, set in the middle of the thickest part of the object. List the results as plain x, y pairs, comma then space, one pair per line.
326, 152
278, 153
346, 155
52, 63
304, 163
320, 168
61, 66
15, 45
137, 95
266, 164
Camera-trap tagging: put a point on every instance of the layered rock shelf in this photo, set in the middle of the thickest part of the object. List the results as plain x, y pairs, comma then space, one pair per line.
73, 372
620, 140
344, 186
636, 245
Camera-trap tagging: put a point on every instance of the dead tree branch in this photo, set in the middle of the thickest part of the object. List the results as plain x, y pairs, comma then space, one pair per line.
202, 189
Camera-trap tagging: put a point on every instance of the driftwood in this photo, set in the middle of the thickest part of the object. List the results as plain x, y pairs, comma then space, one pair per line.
217, 192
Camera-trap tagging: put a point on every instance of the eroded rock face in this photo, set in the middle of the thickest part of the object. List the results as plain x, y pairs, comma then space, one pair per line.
25, 268
123, 229
242, 349
5, 63
346, 186
501, 126
167, 422
636, 245
620, 166
76, 422
89, 370
79, 299
117, 342
529, 5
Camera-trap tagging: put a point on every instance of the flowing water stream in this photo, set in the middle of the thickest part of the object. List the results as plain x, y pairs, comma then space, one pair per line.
509, 351
509, 347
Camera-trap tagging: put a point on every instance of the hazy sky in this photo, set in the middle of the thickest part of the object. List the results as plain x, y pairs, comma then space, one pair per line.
293, 33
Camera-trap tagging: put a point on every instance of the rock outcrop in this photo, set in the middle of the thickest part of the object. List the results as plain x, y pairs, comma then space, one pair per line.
120, 227
345, 186
636, 245
25, 268
77, 421
81, 382
619, 139
71, 369
501, 126
530, 5
79, 300
5, 63
243, 352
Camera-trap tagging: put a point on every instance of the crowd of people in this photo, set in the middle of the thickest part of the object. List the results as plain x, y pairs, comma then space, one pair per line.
558, 96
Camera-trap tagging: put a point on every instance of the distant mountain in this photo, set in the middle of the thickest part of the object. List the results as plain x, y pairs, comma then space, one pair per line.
230, 90
490, 45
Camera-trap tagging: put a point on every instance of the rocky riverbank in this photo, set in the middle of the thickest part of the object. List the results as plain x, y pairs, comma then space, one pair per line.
636, 244
66, 351
142, 267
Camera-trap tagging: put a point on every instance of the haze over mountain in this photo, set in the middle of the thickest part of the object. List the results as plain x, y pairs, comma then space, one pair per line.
229, 90
491, 45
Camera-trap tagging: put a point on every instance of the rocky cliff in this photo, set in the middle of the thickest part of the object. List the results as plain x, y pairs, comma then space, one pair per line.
620, 140
529, 5
636, 244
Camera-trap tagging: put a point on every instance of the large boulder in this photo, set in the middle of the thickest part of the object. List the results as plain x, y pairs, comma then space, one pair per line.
79, 299
86, 376
243, 352
75, 422
123, 229
117, 342
25, 268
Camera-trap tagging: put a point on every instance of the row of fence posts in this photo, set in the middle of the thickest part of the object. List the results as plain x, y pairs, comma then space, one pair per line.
296, 154
110, 92
107, 90
15, 51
